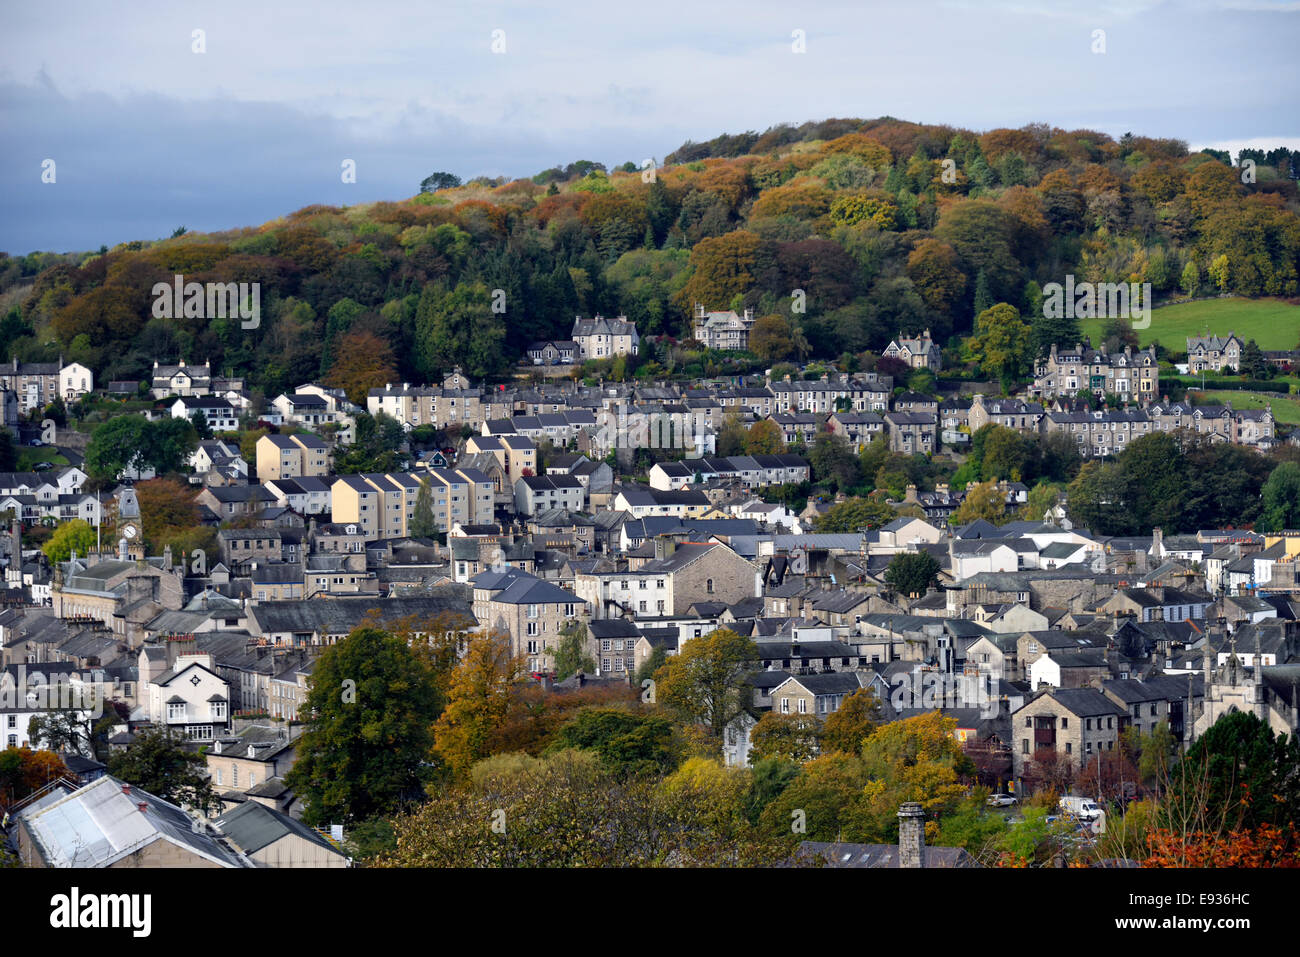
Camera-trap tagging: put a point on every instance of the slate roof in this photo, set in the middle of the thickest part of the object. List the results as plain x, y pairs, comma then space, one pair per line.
253, 826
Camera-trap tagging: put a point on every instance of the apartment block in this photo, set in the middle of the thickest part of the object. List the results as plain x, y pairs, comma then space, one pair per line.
291, 456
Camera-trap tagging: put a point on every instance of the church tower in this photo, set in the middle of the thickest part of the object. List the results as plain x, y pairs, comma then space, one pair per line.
129, 528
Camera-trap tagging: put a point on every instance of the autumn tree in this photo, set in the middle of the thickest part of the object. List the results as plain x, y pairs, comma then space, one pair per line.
764, 438
771, 338
789, 737
934, 269
364, 361
721, 269
983, 501
480, 695
23, 771
846, 728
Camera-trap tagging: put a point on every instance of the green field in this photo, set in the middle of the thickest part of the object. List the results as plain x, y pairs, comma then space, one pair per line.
1285, 408
28, 456
1270, 322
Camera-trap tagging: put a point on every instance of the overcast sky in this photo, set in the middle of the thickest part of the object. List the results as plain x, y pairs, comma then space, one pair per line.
147, 135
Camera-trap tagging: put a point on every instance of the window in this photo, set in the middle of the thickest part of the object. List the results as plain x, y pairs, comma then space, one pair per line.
708, 586
1024, 745
234, 775
803, 705
1087, 724
13, 721
785, 705
1069, 748
1065, 723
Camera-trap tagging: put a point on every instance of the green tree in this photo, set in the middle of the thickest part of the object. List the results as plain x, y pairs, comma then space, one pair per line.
372, 703
1253, 363
705, 680
120, 443
158, 762
1191, 279
832, 460
423, 524
912, 573
1002, 344
732, 435
628, 742
854, 514
1238, 774
1281, 499
571, 655
440, 180
76, 535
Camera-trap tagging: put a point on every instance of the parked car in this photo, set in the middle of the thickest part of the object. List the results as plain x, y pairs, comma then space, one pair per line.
1002, 800
42, 466
35, 443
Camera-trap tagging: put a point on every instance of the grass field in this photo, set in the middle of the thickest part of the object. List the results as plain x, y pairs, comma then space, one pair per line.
28, 456
1272, 323
1285, 408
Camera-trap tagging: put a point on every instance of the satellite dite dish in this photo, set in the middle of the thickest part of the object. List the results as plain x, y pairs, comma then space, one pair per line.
799, 561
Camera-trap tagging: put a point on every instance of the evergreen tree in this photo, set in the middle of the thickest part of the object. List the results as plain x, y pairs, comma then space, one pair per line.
423, 524
983, 297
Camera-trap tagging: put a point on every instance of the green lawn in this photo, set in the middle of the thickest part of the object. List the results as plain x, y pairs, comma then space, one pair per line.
28, 456
1270, 322
1285, 408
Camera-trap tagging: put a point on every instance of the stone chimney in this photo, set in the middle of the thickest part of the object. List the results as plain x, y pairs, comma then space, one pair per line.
911, 835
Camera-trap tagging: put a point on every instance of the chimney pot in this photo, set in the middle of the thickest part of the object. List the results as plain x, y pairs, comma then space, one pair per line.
143, 806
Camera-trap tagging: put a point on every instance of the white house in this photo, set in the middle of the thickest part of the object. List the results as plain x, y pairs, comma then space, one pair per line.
75, 380
191, 699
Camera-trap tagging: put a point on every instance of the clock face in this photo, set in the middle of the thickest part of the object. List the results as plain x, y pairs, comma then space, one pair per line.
129, 531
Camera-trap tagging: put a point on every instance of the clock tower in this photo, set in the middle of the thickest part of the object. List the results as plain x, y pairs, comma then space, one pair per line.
128, 524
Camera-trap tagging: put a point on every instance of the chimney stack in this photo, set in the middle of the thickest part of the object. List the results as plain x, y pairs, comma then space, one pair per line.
911, 835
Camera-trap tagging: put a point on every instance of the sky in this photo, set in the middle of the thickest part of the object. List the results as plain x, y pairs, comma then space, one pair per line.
147, 133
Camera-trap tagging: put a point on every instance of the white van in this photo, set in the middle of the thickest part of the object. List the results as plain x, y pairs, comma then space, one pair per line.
1085, 809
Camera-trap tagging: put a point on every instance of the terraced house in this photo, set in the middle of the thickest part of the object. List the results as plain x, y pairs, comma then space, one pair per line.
382, 505
532, 611
1067, 372
453, 404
